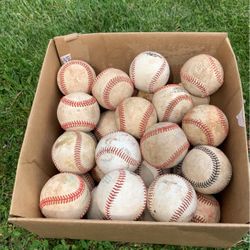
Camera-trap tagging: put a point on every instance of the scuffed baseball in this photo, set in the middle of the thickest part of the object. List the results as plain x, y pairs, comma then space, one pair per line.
164, 145
106, 124
78, 111
208, 209
74, 152
134, 115
202, 75
94, 211
97, 173
65, 196
118, 150
111, 87
75, 76
171, 198
172, 102
89, 181
145, 95
149, 71
207, 168
121, 195
205, 125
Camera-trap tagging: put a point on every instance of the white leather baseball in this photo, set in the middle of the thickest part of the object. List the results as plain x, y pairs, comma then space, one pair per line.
121, 195
164, 145
172, 102
111, 87
75, 76
171, 198
208, 209
106, 124
65, 196
89, 181
78, 111
202, 75
97, 173
94, 211
145, 95
134, 115
149, 71
74, 152
205, 125
118, 150
207, 168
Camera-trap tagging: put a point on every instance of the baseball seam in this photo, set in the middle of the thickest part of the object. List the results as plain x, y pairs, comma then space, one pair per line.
98, 133
132, 72
114, 192
203, 127
215, 170
207, 201
77, 153
63, 199
108, 88
87, 177
86, 208
144, 201
150, 194
198, 219
215, 70
78, 123
82, 103
121, 115
171, 106
222, 120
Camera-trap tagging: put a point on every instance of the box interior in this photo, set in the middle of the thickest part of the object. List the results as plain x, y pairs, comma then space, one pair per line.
117, 50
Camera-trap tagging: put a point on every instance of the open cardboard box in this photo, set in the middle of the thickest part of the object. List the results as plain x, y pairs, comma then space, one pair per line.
117, 50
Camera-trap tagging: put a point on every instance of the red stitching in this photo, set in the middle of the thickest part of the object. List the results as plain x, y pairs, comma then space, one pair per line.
63, 199
156, 77
145, 119
166, 128
132, 72
77, 152
205, 200
216, 71
86, 208
198, 219
118, 152
82, 103
78, 123
223, 120
114, 192
195, 81
185, 204
174, 156
121, 113
203, 127
173, 104
114, 81
87, 177
98, 134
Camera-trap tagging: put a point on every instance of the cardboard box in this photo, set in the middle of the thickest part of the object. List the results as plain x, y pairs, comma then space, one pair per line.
117, 50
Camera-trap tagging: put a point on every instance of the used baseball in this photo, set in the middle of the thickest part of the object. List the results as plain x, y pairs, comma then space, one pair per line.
149, 71
74, 152
208, 209
121, 195
75, 76
66, 196
89, 181
207, 168
205, 125
171, 198
172, 102
134, 115
111, 87
118, 150
202, 75
157, 152
106, 124
78, 111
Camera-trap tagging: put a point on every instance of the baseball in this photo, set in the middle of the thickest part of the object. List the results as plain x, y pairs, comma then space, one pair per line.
106, 124
208, 209
97, 173
94, 211
157, 152
172, 102
118, 150
121, 195
149, 71
65, 196
171, 198
74, 152
78, 111
207, 168
145, 95
134, 115
75, 76
202, 75
89, 181
111, 87
205, 125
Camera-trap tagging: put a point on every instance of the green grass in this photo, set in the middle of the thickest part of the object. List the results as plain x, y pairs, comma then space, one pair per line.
26, 27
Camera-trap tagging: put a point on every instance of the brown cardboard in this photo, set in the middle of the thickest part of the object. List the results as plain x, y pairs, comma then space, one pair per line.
118, 50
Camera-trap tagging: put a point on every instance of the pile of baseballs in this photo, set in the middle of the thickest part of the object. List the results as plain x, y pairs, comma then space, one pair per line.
153, 151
